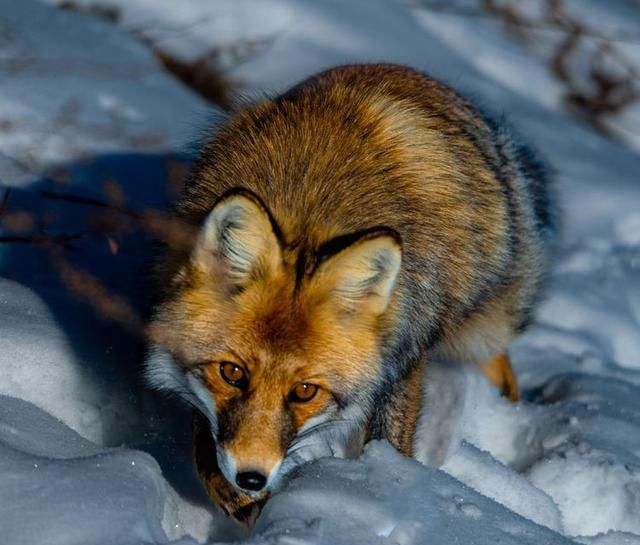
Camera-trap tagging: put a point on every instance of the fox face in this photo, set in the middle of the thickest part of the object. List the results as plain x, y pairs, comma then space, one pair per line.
278, 345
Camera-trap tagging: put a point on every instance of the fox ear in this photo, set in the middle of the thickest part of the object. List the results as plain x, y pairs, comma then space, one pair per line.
361, 276
238, 240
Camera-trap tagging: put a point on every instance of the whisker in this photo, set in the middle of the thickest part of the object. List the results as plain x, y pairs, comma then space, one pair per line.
185, 396
322, 426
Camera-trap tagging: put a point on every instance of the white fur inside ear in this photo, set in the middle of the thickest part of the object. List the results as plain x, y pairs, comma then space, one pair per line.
238, 234
364, 273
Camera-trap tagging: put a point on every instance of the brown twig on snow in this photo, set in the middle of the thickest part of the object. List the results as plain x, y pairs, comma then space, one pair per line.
89, 201
604, 93
5, 200
89, 289
43, 239
517, 22
161, 225
23, 221
609, 94
199, 75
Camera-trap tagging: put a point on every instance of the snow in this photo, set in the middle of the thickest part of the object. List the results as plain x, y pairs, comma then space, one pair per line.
485, 41
87, 455
71, 490
73, 86
61, 389
484, 473
385, 498
114, 485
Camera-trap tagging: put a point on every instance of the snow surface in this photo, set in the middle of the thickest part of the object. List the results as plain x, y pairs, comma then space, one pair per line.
88, 456
73, 86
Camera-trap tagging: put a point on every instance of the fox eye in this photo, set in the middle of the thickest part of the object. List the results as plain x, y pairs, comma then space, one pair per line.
303, 392
233, 374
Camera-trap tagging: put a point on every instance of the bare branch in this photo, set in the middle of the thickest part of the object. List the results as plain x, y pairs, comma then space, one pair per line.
89, 201
42, 239
491, 10
89, 289
5, 200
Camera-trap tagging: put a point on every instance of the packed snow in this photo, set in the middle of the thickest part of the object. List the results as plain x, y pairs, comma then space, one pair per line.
89, 456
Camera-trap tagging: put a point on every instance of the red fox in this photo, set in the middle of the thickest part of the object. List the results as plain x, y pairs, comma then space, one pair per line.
345, 232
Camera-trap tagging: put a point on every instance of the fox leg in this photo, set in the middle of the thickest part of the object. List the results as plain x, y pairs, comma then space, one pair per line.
398, 419
232, 502
499, 371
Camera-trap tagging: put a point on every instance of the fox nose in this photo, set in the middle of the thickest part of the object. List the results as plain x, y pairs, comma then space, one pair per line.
251, 480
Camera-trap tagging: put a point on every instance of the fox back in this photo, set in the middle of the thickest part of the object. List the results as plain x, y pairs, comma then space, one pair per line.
342, 233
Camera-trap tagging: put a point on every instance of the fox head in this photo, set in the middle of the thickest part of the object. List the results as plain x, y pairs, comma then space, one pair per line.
278, 348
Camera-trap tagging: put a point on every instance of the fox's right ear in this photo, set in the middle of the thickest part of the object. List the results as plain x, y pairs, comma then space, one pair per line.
360, 277
238, 241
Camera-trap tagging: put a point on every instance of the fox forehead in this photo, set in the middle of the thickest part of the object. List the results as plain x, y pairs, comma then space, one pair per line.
269, 328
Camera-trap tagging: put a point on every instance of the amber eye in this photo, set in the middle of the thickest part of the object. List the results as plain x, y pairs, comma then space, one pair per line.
233, 374
303, 392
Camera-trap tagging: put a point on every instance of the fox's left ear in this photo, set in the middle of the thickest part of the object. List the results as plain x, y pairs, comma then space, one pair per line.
238, 240
361, 276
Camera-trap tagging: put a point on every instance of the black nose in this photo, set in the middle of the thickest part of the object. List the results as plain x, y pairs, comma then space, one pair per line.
251, 480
